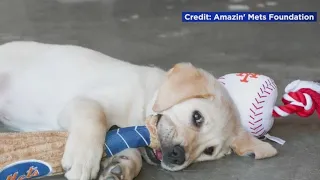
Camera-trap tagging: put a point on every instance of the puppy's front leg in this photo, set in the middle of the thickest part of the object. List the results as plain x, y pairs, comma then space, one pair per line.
86, 122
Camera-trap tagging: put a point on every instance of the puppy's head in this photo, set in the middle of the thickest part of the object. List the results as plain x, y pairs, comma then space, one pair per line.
198, 121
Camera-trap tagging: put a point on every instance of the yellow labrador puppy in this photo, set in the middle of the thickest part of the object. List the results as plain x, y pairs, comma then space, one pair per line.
57, 87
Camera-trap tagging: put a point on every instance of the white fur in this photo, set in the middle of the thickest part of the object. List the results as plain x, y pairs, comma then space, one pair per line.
42, 78
44, 86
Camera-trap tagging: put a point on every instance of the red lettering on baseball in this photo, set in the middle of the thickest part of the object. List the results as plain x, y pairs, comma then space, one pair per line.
246, 76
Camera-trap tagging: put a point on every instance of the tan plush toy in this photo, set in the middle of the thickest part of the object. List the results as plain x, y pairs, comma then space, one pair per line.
41, 146
26, 155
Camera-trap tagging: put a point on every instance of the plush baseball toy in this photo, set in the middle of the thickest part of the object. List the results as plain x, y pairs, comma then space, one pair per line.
38, 154
255, 96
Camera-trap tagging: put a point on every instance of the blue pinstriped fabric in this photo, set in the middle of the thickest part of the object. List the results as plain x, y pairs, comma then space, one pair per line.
130, 137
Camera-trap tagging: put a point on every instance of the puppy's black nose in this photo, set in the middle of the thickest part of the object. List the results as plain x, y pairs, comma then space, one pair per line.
176, 155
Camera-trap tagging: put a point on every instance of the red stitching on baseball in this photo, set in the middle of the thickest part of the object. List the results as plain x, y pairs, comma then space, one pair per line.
256, 127
259, 130
268, 83
260, 96
271, 83
255, 124
267, 92
259, 102
257, 107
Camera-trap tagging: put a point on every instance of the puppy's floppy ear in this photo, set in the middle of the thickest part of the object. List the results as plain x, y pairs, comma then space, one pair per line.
246, 144
184, 81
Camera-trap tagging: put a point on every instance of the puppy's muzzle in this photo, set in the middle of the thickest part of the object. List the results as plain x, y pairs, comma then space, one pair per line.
175, 155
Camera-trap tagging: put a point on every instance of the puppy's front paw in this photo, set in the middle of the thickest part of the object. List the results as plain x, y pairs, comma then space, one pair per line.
124, 166
81, 159
113, 171
264, 150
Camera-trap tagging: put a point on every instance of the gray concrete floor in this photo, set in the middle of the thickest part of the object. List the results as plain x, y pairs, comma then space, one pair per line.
151, 32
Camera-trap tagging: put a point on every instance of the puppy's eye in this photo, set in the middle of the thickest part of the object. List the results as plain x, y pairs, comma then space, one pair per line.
209, 150
197, 118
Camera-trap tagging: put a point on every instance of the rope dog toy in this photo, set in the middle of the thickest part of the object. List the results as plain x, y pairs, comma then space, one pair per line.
301, 98
37, 154
255, 96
